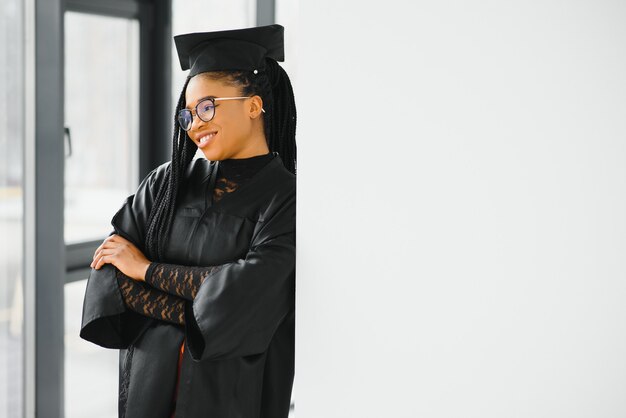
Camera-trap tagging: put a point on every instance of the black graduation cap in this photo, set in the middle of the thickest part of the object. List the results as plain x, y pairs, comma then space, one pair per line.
237, 49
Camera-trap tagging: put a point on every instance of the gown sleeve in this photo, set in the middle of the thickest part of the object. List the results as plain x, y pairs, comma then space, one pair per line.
106, 321
238, 307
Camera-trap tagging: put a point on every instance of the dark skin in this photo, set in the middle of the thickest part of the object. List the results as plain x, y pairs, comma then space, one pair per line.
124, 255
240, 134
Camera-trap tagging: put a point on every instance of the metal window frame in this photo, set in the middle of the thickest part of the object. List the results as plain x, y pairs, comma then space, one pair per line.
47, 219
265, 12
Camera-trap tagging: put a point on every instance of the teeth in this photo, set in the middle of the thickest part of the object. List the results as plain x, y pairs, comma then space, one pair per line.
205, 138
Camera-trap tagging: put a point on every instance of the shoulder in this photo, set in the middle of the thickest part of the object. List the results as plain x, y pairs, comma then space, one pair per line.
152, 180
158, 172
282, 180
199, 169
280, 191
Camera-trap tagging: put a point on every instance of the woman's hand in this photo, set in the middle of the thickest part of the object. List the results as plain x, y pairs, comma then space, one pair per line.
122, 254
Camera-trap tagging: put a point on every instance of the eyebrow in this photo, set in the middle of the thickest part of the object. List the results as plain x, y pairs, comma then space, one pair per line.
201, 99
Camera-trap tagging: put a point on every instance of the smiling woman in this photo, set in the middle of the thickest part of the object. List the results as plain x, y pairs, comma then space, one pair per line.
201, 264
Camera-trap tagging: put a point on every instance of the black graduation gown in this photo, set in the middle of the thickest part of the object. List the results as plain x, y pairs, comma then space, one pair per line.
239, 347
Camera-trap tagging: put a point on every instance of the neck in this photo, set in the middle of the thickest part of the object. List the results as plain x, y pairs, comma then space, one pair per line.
256, 144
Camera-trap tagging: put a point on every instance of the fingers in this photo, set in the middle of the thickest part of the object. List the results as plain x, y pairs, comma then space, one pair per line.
109, 242
100, 262
109, 249
106, 255
101, 246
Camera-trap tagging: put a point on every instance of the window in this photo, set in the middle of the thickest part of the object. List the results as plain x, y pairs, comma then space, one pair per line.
12, 135
101, 170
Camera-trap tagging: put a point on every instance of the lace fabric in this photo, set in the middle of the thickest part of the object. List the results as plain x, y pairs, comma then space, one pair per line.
178, 280
151, 302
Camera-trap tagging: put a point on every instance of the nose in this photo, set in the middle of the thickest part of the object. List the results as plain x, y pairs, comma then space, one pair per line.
196, 122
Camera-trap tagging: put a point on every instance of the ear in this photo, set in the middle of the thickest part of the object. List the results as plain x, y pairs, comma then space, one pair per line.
256, 106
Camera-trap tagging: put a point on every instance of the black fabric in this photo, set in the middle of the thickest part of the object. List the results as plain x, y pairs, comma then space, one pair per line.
183, 282
239, 328
240, 170
235, 49
235, 172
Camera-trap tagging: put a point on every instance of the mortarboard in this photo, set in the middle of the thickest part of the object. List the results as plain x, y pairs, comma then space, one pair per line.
237, 49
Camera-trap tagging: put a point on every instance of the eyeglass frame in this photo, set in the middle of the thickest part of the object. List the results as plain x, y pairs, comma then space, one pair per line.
194, 111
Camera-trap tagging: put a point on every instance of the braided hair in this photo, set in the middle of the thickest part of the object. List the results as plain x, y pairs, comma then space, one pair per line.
279, 124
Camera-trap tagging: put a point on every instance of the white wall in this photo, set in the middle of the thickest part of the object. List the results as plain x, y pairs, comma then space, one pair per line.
461, 209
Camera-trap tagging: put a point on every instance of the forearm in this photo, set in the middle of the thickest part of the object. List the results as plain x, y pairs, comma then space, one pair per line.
151, 302
178, 280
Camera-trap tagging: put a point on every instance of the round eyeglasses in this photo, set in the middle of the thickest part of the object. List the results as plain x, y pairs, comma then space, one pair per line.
205, 110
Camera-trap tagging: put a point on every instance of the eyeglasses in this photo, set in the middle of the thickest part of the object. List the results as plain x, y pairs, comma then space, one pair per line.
205, 110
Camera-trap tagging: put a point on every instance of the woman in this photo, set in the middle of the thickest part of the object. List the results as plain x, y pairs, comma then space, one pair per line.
201, 265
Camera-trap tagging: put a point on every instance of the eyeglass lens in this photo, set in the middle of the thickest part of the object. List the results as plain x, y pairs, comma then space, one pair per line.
205, 110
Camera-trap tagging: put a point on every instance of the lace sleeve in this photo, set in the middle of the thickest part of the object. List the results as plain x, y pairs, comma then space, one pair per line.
150, 302
178, 280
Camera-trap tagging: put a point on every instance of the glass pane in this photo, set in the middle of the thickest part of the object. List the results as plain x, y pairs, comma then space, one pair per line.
12, 136
89, 369
101, 108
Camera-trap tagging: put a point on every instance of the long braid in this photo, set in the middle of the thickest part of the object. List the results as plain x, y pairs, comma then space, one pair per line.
282, 115
162, 212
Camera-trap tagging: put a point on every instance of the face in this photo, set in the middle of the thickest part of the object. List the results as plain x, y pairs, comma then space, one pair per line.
236, 130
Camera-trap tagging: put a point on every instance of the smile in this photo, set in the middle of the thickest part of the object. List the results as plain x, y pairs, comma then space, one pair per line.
206, 139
